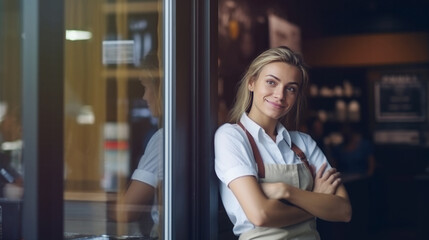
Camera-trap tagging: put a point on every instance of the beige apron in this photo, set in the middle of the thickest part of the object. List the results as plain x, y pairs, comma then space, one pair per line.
297, 175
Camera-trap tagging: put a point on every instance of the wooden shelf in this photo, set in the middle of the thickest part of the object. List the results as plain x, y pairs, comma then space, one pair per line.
133, 7
88, 196
128, 73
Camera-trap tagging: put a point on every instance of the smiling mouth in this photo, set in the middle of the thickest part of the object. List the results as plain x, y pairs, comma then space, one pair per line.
276, 105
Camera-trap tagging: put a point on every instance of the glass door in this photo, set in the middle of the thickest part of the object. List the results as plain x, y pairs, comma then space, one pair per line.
139, 118
107, 115
113, 118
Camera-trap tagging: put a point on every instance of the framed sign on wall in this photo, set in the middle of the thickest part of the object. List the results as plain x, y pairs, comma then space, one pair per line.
400, 97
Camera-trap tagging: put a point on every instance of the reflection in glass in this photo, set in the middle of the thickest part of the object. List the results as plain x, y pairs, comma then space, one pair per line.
141, 197
11, 165
112, 137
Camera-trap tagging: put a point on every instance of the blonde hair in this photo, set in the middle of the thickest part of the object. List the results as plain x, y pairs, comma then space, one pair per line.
157, 88
152, 74
243, 101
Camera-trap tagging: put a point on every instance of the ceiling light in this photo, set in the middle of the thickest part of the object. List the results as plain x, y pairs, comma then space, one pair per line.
76, 35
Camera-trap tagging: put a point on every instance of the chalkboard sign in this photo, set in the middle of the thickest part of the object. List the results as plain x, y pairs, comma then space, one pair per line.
400, 98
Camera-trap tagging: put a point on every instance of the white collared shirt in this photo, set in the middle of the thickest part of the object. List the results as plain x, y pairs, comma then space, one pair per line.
234, 159
149, 169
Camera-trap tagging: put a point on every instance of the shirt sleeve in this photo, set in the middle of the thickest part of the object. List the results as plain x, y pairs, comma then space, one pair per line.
148, 167
233, 154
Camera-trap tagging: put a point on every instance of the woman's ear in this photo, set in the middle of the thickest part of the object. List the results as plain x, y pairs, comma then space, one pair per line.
251, 85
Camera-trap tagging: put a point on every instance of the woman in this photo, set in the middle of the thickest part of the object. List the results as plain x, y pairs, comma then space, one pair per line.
141, 195
277, 198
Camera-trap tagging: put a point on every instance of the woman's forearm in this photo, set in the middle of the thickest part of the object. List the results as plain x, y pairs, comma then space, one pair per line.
330, 207
137, 199
278, 214
261, 210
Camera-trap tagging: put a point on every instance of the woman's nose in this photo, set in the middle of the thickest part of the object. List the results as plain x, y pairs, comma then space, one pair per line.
279, 93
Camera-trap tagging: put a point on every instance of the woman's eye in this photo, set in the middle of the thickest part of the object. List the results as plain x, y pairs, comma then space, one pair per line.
271, 82
292, 89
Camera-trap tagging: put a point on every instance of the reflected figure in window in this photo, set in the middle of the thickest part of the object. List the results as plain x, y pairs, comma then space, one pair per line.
142, 195
275, 182
11, 180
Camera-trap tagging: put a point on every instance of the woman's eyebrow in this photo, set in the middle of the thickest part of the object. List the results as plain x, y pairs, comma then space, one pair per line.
293, 83
270, 75
278, 79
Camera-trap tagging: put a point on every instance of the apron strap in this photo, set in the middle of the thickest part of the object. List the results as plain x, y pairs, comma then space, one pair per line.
258, 158
302, 157
256, 154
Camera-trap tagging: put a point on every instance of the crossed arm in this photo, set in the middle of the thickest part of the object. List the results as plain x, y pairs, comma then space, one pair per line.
264, 211
328, 201
137, 200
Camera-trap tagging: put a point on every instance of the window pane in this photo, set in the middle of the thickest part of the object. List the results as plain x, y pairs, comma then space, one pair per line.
11, 167
113, 140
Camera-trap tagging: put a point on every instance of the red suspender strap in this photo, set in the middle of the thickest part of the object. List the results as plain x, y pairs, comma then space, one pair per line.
256, 154
302, 156
258, 158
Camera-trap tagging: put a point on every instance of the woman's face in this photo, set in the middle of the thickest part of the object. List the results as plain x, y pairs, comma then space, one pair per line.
274, 91
150, 96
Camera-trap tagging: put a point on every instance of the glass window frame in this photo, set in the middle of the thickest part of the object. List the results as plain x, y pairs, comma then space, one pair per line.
42, 86
193, 68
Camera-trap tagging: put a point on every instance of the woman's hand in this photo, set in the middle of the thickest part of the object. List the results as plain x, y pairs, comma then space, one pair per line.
276, 190
326, 182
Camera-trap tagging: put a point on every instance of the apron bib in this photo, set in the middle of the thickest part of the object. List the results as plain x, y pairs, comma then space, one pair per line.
297, 175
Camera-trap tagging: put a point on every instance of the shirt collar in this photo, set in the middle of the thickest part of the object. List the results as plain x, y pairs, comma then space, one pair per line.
282, 131
256, 131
